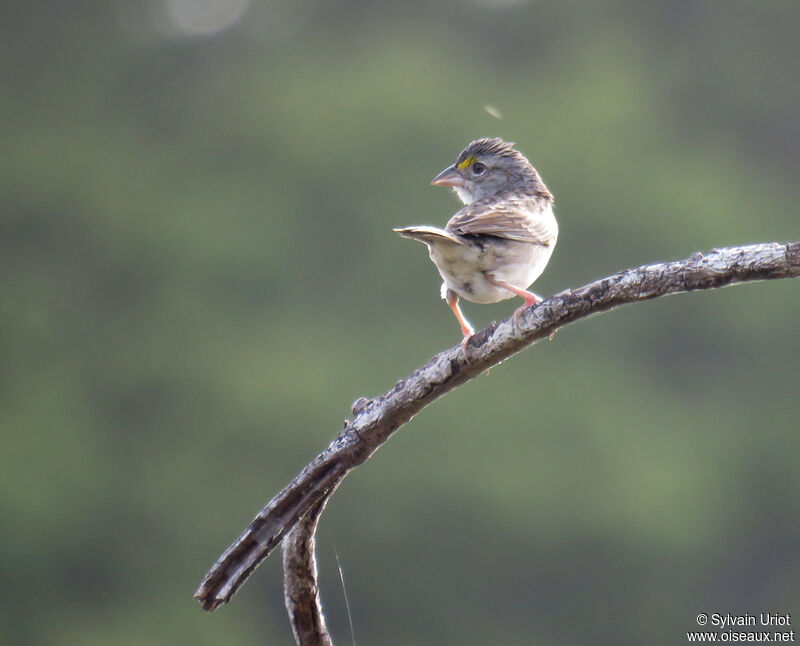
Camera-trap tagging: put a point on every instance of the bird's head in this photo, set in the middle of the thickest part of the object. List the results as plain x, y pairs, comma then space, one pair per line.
487, 167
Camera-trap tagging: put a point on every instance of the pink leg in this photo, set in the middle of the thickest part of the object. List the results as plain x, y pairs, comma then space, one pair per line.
466, 329
529, 297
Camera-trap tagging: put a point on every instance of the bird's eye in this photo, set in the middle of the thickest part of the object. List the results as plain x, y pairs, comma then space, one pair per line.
478, 168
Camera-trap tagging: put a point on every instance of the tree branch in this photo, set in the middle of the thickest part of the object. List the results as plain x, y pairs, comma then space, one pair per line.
374, 420
300, 589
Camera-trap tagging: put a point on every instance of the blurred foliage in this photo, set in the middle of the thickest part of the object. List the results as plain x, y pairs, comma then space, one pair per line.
199, 274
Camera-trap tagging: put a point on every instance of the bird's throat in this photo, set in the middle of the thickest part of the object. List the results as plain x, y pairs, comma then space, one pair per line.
464, 195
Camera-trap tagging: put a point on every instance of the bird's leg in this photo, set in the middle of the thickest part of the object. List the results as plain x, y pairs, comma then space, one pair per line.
466, 329
529, 297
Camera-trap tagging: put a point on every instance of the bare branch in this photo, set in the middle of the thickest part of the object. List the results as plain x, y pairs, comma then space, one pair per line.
376, 419
300, 589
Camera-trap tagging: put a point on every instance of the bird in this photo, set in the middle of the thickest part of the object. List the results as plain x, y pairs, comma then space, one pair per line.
499, 243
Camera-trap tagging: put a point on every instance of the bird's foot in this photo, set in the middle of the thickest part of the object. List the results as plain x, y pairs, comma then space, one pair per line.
466, 329
530, 299
468, 333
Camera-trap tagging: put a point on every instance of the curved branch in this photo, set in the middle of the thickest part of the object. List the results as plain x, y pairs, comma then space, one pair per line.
374, 420
300, 589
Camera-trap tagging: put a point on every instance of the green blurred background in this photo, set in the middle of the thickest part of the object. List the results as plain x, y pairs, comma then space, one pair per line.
199, 275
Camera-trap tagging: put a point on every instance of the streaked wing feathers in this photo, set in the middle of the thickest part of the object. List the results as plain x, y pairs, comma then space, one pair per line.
525, 219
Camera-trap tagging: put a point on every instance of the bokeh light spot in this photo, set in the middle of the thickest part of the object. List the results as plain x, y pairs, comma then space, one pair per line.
492, 111
204, 17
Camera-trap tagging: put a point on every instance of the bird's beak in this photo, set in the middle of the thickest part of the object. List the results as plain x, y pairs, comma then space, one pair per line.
448, 177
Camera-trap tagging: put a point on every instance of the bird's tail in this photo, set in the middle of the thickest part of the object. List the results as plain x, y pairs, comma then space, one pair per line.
428, 235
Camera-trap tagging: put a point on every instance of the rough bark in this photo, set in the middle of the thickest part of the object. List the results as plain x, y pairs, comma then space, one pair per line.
300, 589
374, 420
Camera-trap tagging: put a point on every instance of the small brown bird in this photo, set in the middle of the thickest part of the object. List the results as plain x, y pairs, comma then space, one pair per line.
500, 242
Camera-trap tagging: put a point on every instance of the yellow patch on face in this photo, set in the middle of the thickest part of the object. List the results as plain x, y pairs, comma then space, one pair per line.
466, 162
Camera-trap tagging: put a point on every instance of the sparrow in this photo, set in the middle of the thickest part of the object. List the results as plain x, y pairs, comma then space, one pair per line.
500, 242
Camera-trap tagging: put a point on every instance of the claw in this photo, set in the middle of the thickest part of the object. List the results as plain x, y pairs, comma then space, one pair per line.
529, 297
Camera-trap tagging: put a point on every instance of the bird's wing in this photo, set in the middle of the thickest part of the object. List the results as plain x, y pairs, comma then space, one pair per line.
428, 234
526, 219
